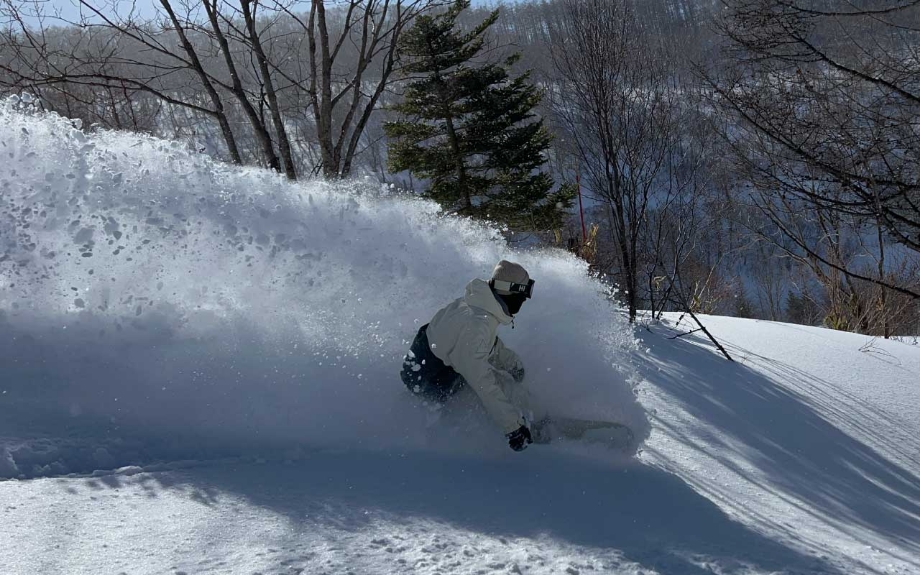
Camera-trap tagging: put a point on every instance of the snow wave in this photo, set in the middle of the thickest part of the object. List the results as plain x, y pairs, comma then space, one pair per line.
163, 305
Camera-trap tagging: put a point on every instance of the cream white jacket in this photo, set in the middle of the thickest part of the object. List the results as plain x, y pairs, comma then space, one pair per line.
463, 336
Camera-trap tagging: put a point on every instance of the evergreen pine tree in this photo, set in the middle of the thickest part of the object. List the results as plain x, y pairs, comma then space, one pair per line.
469, 128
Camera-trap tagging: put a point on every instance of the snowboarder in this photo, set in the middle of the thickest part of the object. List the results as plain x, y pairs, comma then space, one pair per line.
460, 347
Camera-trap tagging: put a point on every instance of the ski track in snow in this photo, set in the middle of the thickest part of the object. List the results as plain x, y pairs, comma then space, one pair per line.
220, 395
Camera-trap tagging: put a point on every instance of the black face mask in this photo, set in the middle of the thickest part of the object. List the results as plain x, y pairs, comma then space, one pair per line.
514, 302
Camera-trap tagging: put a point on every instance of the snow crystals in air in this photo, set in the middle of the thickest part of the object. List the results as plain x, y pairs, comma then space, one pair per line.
272, 312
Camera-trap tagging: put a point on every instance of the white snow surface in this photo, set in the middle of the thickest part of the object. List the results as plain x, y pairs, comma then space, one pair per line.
206, 409
811, 437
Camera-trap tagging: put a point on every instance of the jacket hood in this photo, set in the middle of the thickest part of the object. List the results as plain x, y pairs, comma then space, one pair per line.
479, 294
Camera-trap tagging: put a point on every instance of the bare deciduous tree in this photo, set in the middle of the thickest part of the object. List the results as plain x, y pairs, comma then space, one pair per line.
227, 50
614, 95
352, 53
828, 102
106, 53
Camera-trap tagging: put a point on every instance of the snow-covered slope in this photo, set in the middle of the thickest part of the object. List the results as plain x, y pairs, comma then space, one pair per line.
800, 458
225, 401
812, 437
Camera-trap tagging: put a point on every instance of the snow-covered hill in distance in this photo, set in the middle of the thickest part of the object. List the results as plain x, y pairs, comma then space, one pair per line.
198, 375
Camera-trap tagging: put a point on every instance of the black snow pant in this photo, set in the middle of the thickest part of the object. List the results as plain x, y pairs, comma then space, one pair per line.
425, 375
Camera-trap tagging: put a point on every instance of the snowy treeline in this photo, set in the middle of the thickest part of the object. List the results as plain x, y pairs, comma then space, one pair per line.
754, 158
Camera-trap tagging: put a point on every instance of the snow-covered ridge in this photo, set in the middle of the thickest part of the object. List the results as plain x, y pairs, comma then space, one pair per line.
171, 307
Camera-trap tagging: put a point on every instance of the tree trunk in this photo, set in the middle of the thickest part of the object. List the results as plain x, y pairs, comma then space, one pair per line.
283, 142
323, 107
262, 134
219, 113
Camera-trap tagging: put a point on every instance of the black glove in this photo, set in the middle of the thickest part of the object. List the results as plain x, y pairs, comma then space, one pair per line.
517, 374
519, 438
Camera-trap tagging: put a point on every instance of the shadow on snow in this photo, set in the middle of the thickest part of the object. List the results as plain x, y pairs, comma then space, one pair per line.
650, 516
802, 454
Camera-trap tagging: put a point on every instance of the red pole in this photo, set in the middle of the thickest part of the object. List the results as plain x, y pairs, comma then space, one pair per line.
581, 210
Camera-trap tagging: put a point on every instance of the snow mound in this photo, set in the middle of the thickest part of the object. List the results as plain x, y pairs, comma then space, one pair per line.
157, 305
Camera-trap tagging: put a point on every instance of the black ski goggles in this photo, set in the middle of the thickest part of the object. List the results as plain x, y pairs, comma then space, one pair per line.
526, 289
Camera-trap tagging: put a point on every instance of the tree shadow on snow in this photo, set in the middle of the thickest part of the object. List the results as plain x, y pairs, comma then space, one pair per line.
649, 516
800, 452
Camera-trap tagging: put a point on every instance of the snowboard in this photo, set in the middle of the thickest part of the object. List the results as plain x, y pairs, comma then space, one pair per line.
607, 433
